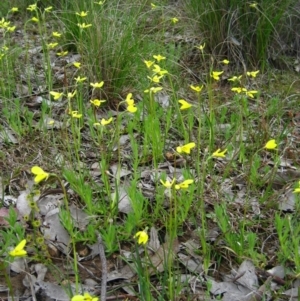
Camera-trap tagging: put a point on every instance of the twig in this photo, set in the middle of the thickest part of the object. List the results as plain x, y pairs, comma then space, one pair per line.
258, 295
103, 267
30, 281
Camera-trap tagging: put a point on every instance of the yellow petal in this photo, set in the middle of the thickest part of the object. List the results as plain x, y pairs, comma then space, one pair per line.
131, 108
19, 249
78, 298
37, 170
21, 245
39, 178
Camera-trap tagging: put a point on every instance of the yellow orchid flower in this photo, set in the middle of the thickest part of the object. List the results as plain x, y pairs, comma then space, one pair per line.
184, 185
153, 90
75, 114
97, 102
142, 237
105, 122
159, 57
201, 47
40, 174
77, 65
19, 251
184, 104
56, 34
252, 73
82, 14
198, 89
174, 20
62, 53
97, 85
167, 183
148, 63
235, 78
84, 297
219, 154
83, 25
216, 74
56, 95
80, 79
131, 108
129, 100
71, 95
271, 144
185, 148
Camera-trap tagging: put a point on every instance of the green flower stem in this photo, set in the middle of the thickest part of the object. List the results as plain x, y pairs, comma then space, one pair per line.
183, 126
72, 235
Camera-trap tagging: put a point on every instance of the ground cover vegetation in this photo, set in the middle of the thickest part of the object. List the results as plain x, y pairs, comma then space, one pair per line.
149, 150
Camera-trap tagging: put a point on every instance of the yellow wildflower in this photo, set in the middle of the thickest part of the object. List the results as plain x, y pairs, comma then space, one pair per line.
62, 53
83, 25
186, 148
52, 45
75, 114
201, 47
40, 174
184, 104
216, 74
239, 90
132, 108
97, 102
48, 9
158, 70
235, 78
159, 57
155, 78
148, 63
271, 144
129, 100
56, 95
174, 20
153, 89
84, 297
253, 5
19, 251
226, 62
105, 122
252, 73
32, 7
251, 93
82, 14
130, 103
71, 95
167, 183
14, 9
77, 65
185, 184
142, 237
219, 154
80, 79
97, 85
11, 28
198, 89
35, 19
56, 34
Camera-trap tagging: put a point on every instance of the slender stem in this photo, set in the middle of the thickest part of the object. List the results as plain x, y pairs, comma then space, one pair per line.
103, 267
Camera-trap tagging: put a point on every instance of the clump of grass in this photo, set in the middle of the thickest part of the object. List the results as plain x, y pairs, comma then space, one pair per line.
244, 32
